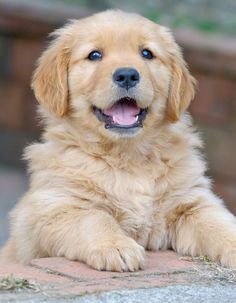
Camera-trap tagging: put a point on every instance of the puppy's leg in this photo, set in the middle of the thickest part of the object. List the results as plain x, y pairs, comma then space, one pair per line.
91, 236
204, 228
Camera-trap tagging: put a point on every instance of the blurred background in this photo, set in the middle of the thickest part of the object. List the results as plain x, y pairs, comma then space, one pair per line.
205, 29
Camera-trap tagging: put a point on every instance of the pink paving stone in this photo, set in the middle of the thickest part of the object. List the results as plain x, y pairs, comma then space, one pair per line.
161, 261
165, 262
31, 273
64, 277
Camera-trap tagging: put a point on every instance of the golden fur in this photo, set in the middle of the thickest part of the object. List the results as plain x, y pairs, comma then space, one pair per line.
103, 198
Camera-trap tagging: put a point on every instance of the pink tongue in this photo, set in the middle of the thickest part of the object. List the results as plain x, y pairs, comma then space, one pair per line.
123, 113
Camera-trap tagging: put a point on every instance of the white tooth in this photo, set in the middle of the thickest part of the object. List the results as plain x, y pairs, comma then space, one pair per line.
136, 117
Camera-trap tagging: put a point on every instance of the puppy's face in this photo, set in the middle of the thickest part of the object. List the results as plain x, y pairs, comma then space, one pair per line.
114, 73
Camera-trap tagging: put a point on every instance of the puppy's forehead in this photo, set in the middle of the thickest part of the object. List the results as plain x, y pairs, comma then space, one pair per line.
114, 29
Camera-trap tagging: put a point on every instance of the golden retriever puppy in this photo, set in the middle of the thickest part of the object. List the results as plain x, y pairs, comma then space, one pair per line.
119, 168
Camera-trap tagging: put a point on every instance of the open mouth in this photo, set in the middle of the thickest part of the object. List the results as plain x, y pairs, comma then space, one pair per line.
124, 114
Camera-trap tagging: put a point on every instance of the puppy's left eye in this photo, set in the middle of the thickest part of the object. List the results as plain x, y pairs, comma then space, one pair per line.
95, 55
147, 54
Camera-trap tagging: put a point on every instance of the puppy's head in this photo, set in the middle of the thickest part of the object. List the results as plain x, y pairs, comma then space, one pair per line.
114, 73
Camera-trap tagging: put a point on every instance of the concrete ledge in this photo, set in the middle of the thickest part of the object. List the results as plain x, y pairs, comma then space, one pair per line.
166, 278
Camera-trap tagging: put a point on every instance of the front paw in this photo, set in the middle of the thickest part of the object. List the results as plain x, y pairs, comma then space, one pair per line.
118, 254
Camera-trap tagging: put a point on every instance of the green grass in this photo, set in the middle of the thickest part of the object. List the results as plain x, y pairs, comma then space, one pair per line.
13, 283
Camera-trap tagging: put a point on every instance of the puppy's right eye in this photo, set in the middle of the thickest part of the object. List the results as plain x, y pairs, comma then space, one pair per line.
95, 55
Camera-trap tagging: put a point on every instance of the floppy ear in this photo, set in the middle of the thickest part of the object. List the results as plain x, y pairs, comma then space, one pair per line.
50, 77
182, 87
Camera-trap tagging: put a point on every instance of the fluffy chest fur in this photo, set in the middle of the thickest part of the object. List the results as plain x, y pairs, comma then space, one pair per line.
137, 189
91, 182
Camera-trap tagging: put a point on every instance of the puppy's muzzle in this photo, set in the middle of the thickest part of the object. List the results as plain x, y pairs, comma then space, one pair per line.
126, 77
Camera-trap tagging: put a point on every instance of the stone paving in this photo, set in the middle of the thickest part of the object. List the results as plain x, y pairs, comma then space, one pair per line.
166, 278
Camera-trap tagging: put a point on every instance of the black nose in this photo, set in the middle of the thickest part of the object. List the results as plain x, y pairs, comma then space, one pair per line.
126, 77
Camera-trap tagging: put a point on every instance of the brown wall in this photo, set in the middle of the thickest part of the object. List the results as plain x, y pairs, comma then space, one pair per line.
211, 59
